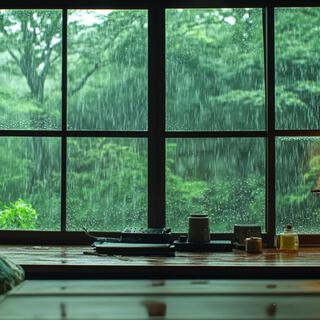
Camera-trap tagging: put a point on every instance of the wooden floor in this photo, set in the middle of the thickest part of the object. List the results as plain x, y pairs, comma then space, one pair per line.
170, 299
71, 263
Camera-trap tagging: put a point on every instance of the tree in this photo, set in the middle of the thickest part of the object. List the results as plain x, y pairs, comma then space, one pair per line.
111, 38
215, 69
107, 58
33, 40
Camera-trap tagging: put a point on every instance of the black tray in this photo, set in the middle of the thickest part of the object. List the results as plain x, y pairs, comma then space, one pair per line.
212, 246
134, 249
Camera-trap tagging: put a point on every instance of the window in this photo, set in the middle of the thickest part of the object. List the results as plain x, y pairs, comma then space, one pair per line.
121, 114
215, 82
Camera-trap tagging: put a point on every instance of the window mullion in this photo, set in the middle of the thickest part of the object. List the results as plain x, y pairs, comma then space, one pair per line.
156, 117
64, 120
270, 103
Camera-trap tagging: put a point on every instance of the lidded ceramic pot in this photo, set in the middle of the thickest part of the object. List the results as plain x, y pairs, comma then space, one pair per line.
199, 228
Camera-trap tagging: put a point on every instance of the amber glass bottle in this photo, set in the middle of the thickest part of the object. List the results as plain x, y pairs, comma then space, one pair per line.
289, 240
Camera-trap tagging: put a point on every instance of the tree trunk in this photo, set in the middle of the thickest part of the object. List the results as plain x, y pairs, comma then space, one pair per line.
36, 85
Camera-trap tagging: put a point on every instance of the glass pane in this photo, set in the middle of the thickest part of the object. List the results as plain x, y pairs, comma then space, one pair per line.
224, 178
297, 68
107, 183
108, 72
30, 69
298, 172
29, 183
215, 69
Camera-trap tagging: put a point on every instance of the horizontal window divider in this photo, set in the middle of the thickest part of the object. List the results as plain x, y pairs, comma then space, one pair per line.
295, 3
213, 4
215, 134
51, 237
78, 4
298, 133
76, 237
80, 238
41, 133
30, 133
236, 4
148, 4
168, 134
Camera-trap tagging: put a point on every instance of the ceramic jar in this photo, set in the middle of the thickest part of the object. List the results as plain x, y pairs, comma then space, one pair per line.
199, 228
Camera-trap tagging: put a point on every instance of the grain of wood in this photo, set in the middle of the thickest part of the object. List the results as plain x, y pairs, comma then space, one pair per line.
70, 262
169, 287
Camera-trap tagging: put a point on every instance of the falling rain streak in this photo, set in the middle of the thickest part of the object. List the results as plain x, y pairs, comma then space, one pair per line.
30, 183
224, 178
298, 172
30, 69
107, 183
108, 73
215, 69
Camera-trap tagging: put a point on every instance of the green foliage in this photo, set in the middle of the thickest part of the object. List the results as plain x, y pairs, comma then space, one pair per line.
107, 184
18, 215
108, 70
11, 105
218, 57
184, 197
230, 201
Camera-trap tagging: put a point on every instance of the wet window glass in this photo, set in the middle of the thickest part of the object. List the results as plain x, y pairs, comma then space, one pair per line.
223, 177
297, 47
298, 172
107, 69
30, 69
107, 183
214, 82
29, 183
215, 69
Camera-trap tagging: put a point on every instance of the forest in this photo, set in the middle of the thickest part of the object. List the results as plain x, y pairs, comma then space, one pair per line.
215, 81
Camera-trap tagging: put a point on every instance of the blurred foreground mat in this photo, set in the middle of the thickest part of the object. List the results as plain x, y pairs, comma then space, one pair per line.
11, 274
170, 299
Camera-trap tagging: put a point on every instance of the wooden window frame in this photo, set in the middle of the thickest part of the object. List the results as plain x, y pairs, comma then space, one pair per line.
156, 133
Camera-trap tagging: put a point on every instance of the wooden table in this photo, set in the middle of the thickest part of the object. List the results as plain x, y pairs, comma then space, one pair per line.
170, 299
69, 262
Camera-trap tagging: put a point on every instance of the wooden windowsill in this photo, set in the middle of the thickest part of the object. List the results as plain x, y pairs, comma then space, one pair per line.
70, 262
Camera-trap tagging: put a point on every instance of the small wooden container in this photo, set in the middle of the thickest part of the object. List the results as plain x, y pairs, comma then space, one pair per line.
253, 245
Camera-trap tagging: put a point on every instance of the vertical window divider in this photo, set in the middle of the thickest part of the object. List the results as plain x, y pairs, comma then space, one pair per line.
270, 114
156, 116
64, 121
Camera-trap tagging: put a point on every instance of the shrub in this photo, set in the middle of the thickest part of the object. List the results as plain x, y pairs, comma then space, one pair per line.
18, 215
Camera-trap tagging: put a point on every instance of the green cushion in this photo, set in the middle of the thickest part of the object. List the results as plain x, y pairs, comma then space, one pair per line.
11, 274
